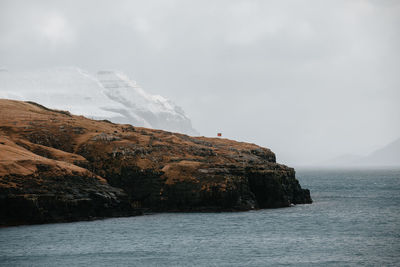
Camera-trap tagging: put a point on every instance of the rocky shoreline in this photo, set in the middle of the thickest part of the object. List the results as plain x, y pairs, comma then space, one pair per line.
57, 167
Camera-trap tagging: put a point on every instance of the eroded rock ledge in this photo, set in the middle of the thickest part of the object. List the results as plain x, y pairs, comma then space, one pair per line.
58, 167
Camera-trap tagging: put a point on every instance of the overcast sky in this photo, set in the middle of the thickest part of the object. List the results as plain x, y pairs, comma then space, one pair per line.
309, 79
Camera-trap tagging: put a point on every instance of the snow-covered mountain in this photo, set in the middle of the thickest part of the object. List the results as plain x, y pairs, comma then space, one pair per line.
107, 95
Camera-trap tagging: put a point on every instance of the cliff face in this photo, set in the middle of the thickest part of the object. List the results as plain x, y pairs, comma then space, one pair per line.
59, 167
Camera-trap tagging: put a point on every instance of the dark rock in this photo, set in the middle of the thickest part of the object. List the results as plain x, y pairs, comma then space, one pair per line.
66, 170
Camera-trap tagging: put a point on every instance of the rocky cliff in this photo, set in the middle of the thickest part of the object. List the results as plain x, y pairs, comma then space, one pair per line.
58, 167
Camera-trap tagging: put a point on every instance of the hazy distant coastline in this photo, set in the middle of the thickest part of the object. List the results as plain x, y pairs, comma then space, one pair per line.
384, 158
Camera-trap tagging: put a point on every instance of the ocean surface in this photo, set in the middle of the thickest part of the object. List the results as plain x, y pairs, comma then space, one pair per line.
354, 221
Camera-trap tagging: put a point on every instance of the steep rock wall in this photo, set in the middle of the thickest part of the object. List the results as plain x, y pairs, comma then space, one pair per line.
118, 170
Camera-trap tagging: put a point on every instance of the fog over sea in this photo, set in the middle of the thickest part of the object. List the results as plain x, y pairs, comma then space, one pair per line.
354, 221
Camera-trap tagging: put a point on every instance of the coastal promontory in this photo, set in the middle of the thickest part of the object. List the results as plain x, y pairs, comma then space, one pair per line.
57, 167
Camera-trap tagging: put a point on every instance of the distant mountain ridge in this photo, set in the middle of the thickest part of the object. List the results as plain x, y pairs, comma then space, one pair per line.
387, 156
107, 95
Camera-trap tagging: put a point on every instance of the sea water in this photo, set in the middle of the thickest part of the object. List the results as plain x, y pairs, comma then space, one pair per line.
354, 221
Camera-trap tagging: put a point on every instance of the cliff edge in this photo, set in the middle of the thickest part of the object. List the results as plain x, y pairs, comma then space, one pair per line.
56, 167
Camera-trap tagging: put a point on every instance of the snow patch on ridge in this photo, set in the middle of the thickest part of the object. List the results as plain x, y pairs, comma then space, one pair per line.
106, 95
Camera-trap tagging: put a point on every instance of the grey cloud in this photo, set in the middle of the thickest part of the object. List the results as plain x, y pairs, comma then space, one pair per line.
310, 79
